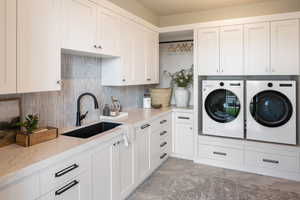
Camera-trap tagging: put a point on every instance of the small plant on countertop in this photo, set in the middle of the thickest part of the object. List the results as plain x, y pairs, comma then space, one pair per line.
182, 78
30, 124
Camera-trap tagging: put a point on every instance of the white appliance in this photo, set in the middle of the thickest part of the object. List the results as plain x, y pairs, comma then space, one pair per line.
222, 108
271, 111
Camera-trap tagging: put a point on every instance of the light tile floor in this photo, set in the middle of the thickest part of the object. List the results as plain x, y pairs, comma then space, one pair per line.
179, 179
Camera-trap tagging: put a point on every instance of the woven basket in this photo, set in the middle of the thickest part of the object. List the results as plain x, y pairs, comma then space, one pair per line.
161, 96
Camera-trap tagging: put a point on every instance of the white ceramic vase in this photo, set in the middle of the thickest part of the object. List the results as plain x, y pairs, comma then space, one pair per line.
182, 97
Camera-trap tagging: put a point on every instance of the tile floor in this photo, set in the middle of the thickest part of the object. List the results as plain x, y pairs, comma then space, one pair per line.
179, 179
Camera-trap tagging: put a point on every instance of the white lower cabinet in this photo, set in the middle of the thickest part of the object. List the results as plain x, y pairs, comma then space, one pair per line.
78, 188
102, 172
142, 151
25, 189
122, 170
183, 134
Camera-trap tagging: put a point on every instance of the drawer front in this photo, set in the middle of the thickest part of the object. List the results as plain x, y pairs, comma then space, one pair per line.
272, 161
162, 123
184, 118
221, 153
62, 172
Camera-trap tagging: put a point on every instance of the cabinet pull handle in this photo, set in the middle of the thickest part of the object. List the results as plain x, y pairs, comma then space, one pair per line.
220, 153
145, 126
66, 187
163, 156
66, 170
148, 79
270, 161
163, 121
163, 133
163, 144
184, 118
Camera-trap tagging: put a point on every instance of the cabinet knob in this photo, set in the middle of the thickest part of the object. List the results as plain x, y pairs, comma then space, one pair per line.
124, 80
100, 47
148, 79
58, 82
95, 46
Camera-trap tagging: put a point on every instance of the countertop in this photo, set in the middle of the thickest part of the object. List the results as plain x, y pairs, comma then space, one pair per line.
18, 161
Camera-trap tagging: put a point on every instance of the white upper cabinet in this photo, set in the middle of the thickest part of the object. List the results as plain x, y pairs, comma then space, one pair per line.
8, 62
80, 26
208, 51
152, 54
139, 46
285, 47
257, 49
220, 51
38, 45
108, 32
231, 50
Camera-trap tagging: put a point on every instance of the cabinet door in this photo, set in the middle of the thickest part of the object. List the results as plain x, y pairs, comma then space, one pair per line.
208, 51
77, 189
231, 50
8, 56
152, 65
257, 49
25, 189
80, 25
285, 47
184, 140
127, 51
139, 72
38, 46
108, 32
122, 173
102, 173
142, 154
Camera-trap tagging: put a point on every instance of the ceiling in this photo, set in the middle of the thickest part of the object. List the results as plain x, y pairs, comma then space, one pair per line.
170, 7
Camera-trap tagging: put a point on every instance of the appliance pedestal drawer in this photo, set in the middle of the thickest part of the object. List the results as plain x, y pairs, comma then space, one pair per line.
272, 161
225, 154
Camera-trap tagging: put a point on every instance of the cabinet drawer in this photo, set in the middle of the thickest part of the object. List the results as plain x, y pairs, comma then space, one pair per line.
62, 172
221, 153
162, 123
184, 118
77, 188
272, 161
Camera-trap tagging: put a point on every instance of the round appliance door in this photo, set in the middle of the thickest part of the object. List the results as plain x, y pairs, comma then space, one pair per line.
271, 108
222, 105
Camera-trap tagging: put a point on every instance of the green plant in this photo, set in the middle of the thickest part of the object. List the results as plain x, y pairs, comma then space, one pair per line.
30, 123
182, 78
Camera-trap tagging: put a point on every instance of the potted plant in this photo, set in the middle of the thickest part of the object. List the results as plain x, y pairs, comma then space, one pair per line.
30, 124
32, 134
182, 79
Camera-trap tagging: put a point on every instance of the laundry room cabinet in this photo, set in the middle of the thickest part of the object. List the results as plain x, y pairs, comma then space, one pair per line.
285, 40
183, 135
90, 28
257, 48
139, 60
8, 51
142, 151
220, 51
38, 45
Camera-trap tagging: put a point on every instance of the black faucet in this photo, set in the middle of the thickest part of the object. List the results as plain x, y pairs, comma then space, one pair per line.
80, 117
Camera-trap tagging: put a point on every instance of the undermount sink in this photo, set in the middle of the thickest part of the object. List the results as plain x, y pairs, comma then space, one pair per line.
92, 130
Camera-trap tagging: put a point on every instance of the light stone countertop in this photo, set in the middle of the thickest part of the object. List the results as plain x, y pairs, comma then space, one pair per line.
17, 161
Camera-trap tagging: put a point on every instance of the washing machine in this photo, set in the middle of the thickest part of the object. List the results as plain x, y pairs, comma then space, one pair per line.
271, 111
222, 108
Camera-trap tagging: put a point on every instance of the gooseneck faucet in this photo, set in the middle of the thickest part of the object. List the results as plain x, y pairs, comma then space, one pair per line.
80, 117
